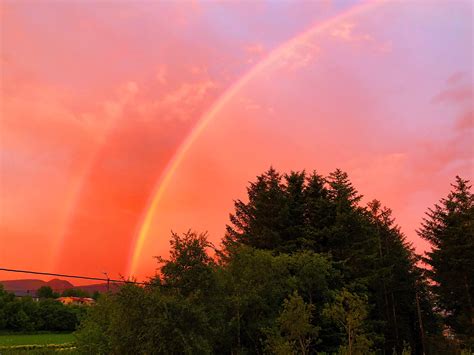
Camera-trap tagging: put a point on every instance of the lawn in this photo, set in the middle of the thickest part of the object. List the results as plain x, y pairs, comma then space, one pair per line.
35, 339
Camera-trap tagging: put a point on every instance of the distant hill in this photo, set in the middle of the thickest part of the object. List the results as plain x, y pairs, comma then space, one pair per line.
27, 287
59, 285
27, 284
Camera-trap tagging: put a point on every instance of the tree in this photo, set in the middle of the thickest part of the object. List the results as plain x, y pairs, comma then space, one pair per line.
293, 234
53, 315
24, 314
174, 314
262, 221
449, 228
399, 286
46, 292
189, 268
254, 284
319, 213
349, 311
93, 335
294, 332
75, 292
5, 298
293, 212
302, 259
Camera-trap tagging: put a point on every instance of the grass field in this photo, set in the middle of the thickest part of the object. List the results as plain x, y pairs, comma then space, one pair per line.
35, 339
37, 344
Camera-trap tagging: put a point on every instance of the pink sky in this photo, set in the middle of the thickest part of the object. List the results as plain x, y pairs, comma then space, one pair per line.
108, 109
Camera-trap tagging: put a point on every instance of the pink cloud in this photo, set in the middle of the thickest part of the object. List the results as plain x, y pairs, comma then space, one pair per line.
456, 95
299, 56
465, 121
456, 78
255, 49
181, 102
345, 31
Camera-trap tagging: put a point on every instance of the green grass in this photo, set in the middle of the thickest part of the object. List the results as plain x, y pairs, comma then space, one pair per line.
35, 339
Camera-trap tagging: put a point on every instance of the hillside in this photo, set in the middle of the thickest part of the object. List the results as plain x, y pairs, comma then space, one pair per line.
26, 287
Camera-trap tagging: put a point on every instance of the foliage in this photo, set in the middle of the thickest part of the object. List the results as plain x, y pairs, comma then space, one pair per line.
75, 292
293, 212
25, 314
449, 228
227, 312
294, 332
46, 292
305, 268
350, 311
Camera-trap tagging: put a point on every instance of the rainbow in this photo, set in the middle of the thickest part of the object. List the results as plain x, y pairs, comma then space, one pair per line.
208, 116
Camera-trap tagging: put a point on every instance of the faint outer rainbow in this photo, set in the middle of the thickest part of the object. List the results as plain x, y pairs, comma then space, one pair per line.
74, 195
174, 163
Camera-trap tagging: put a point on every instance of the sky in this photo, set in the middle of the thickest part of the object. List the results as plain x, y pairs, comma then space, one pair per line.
123, 121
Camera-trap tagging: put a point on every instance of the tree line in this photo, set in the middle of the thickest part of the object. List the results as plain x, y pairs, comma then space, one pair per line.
23, 314
48, 292
304, 268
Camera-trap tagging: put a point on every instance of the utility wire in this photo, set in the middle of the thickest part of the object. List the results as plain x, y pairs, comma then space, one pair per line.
71, 276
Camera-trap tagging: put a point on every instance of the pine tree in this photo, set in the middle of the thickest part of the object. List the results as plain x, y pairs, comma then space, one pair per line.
449, 228
397, 285
260, 223
319, 213
294, 226
350, 236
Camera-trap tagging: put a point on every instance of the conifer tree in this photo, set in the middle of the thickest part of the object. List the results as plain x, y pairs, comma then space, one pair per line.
399, 283
262, 221
319, 213
449, 228
293, 233
350, 236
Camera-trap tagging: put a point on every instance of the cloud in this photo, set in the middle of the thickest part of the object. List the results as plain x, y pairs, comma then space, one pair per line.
250, 104
345, 32
181, 103
457, 90
385, 47
454, 95
450, 153
255, 49
465, 121
198, 69
382, 170
455, 78
161, 74
350, 33
299, 56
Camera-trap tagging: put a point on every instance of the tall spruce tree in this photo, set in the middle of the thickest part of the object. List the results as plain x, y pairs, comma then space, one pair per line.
398, 285
293, 234
262, 221
351, 238
319, 213
449, 227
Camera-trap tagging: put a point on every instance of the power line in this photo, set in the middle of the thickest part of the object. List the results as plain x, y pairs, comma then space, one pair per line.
71, 276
